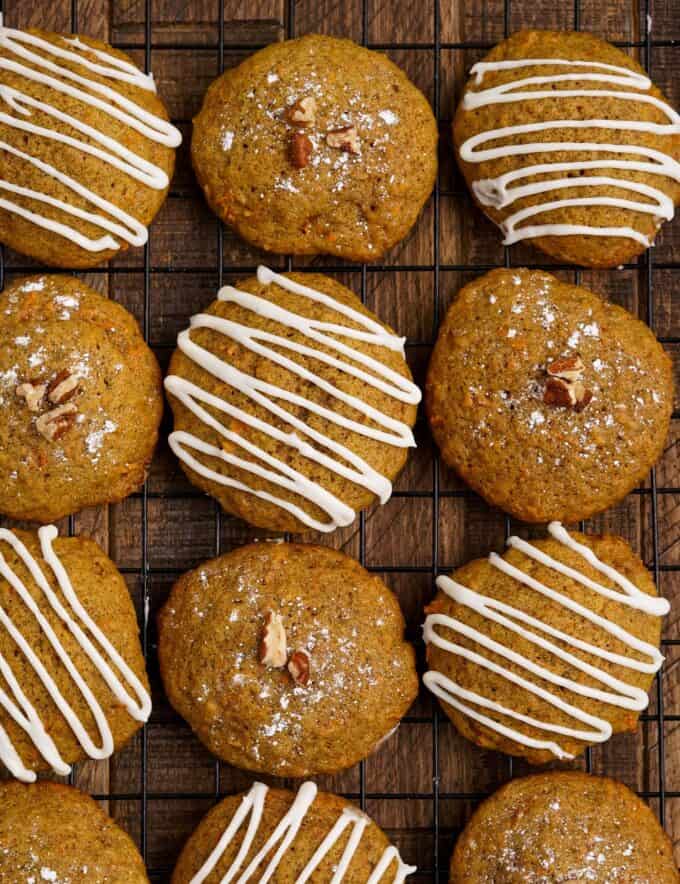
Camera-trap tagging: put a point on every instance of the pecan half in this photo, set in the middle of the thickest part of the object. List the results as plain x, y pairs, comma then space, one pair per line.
300, 150
302, 113
299, 667
33, 393
346, 139
569, 368
62, 387
272, 650
53, 424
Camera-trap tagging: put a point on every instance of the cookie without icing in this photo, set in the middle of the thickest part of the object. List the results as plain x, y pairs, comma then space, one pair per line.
86, 692
81, 398
329, 837
519, 648
592, 193
87, 150
550, 402
312, 692
563, 826
316, 146
51, 832
293, 404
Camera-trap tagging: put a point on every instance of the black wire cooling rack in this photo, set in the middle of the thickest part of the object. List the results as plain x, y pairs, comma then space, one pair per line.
437, 868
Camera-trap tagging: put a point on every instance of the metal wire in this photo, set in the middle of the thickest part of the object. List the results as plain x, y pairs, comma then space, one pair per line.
648, 495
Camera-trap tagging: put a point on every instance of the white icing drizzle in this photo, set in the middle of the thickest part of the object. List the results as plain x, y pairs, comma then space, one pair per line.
321, 448
615, 692
30, 60
71, 612
498, 192
284, 834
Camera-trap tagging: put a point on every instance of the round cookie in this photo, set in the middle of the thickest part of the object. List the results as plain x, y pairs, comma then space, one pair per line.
75, 685
286, 659
87, 149
563, 826
316, 834
550, 402
51, 832
293, 404
549, 649
316, 146
81, 398
592, 193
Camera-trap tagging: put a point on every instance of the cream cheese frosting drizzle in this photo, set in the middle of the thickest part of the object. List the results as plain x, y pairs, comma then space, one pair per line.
43, 62
503, 190
252, 805
119, 677
614, 691
312, 444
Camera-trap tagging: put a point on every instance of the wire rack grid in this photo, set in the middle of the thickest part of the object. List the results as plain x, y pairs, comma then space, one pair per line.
437, 868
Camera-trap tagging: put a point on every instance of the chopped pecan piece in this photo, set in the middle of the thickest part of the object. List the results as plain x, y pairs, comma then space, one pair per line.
299, 667
569, 368
302, 113
33, 393
53, 424
558, 392
272, 650
62, 387
582, 396
566, 394
300, 150
346, 139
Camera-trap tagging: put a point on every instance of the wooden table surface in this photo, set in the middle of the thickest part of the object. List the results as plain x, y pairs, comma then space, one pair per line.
431, 515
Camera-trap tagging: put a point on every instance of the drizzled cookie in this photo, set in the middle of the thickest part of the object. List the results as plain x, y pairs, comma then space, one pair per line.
73, 679
566, 143
547, 649
86, 150
275, 834
293, 405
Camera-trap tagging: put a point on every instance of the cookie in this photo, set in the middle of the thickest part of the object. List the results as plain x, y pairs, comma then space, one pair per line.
563, 826
86, 149
74, 682
50, 832
550, 402
291, 836
548, 649
313, 668
293, 404
566, 143
316, 146
81, 399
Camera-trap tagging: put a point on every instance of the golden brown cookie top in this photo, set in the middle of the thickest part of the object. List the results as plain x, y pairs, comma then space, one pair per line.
548, 649
76, 687
328, 837
551, 402
51, 832
316, 145
81, 398
565, 142
293, 404
563, 826
88, 151
313, 667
